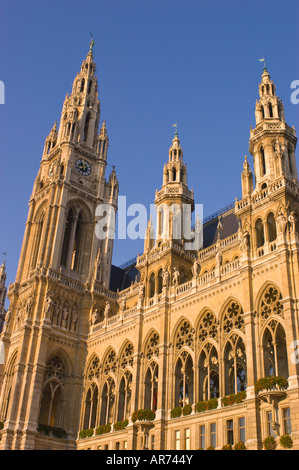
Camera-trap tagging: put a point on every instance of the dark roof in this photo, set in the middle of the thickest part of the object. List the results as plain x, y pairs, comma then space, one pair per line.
122, 277
229, 224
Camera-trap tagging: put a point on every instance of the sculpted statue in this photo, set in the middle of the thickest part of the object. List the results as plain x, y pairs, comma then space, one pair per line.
49, 305
219, 258
165, 277
141, 290
195, 268
107, 309
94, 317
176, 276
293, 221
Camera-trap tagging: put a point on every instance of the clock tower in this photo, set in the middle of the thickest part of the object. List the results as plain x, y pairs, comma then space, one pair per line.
64, 270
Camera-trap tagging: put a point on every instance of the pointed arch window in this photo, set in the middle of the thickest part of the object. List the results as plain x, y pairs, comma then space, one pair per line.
275, 351
67, 238
235, 365
184, 380
124, 396
108, 402
259, 233
270, 110
151, 387
290, 160
208, 373
91, 407
37, 241
152, 285
262, 162
82, 85
52, 397
271, 224
86, 125
77, 243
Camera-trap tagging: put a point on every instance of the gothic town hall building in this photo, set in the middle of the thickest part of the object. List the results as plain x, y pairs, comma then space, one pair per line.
181, 349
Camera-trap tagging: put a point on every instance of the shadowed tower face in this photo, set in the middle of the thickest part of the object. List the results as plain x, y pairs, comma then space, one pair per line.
62, 270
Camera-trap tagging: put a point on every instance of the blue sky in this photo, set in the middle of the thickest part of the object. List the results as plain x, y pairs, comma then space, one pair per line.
158, 62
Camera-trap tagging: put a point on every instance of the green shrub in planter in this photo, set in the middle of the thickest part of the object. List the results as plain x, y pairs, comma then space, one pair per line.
121, 425
271, 383
176, 412
86, 433
211, 448
269, 443
227, 447
234, 398
240, 446
187, 410
286, 441
206, 405
143, 415
103, 429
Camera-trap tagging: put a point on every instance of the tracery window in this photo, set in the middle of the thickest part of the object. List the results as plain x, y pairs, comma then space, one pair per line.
235, 365
152, 346
184, 336
94, 369
233, 318
184, 380
52, 397
124, 396
275, 350
108, 402
111, 362
208, 373
208, 327
127, 356
151, 387
91, 406
270, 304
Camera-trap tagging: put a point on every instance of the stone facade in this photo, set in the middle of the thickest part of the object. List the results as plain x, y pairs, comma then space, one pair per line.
194, 331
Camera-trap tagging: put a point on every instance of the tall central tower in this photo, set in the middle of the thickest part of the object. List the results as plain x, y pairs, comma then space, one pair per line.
63, 270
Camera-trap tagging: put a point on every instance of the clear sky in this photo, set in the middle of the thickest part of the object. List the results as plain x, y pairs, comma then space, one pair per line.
194, 62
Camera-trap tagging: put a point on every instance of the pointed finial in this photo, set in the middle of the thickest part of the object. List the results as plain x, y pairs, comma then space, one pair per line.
263, 60
3, 264
91, 44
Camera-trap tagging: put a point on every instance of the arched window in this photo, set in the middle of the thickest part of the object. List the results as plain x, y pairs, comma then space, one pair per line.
152, 285
290, 160
160, 281
77, 243
259, 233
275, 351
184, 381
89, 86
235, 365
124, 396
270, 110
37, 241
67, 238
85, 133
208, 373
82, 85
52, 396
108, 402
151, 387
271, 224
91, 407
262, 162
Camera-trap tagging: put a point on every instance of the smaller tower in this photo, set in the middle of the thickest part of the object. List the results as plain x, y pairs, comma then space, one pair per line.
3, 291
272, 142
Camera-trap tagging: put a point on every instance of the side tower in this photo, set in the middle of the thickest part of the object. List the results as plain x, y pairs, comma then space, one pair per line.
268, 214
169, 253
61, 268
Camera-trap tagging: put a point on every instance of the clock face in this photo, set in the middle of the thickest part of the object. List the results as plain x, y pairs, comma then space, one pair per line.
83, 167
